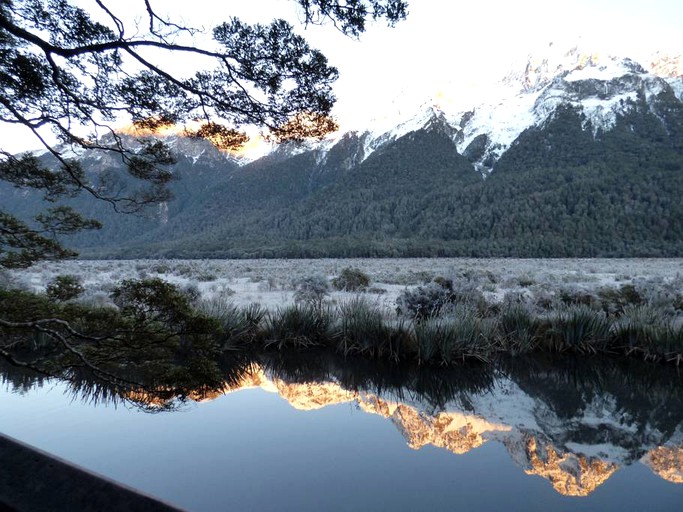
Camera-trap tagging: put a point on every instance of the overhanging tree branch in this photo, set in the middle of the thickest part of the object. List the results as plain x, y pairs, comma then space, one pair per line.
62, 70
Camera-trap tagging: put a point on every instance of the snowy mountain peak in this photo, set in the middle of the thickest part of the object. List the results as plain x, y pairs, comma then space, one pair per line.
540, 71
666, 65
428, 115
600, 87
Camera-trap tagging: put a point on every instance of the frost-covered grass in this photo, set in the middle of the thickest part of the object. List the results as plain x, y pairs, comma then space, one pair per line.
437, 310
272, 283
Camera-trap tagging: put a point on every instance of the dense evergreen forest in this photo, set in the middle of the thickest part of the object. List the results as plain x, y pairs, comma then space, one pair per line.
561, 190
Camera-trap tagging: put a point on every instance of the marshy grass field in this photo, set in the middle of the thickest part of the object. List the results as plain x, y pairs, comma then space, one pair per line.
435, 311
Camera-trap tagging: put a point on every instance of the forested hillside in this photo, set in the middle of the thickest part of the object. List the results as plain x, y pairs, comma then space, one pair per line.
562, 189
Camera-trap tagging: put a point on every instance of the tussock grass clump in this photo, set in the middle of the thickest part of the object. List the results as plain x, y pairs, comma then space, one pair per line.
240, 325
518, 329
578, 328
643, 329
362, 330
668, 344
461, 335
298, 326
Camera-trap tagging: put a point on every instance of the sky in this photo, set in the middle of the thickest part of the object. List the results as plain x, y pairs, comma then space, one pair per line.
447, 51
453, 50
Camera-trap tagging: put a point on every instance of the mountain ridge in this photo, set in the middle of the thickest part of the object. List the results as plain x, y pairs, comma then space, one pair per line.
582, 159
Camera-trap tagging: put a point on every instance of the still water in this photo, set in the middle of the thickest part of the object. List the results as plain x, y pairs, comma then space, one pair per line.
326, 434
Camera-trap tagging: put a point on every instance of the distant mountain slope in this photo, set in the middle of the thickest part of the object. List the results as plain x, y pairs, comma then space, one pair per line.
579, 157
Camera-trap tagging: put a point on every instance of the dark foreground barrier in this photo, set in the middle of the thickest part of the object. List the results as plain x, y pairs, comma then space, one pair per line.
32, 480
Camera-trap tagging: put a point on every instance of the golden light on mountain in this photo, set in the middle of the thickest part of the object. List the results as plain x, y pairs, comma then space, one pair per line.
667, 462
222, 137
570, 474
310, 396
149, 128
456, 432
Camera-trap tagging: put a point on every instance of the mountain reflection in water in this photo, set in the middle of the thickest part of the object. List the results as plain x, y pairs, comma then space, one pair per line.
571, 421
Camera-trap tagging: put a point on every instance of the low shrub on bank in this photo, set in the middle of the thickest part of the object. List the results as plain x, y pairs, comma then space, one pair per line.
351, 280
312, 291
436, 298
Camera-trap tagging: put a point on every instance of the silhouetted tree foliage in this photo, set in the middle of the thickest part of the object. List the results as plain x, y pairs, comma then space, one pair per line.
69, 70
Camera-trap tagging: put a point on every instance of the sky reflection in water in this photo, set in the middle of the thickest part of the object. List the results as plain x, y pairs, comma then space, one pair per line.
530, 435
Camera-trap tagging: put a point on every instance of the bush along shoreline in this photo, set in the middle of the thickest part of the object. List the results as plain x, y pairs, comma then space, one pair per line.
442, 322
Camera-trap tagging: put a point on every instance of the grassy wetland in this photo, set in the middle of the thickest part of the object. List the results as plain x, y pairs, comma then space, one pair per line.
430, 312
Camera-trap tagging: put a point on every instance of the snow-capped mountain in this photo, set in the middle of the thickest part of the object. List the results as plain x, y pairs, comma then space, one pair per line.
576, 131
601, 88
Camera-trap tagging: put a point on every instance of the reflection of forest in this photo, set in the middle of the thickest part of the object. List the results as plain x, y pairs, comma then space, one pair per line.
569, 422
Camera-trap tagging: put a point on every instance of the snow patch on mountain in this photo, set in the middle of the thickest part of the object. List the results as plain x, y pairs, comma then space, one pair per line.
603, 70
380, 136
501, 122
604, 451
676, 85
507, 404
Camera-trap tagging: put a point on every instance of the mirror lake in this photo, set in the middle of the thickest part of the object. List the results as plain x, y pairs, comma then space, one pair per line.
317, 431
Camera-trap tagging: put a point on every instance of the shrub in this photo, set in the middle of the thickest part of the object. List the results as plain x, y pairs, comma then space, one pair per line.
160, 268
206, 277
665, 296
66, 287
312, 291
351, 280
423, 302
526, 280
577, 296
151, 300
432, 299
614, 300
377, 291
443, 282
191, 291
